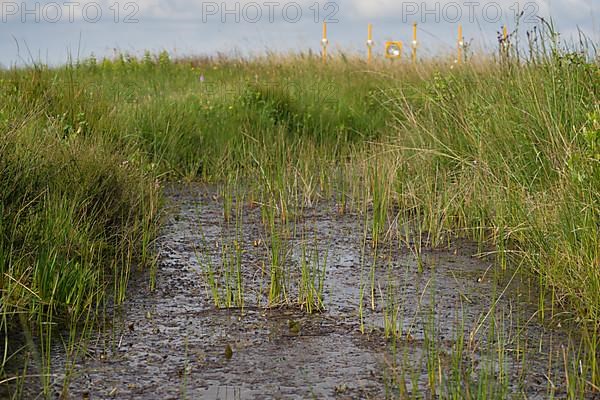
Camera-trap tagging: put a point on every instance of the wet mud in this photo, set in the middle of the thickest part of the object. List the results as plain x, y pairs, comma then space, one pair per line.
173, 343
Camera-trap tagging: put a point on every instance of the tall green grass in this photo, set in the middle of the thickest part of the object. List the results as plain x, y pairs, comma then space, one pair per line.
74, 214
514, 151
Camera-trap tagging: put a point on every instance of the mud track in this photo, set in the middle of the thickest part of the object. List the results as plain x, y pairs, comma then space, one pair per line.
173, 343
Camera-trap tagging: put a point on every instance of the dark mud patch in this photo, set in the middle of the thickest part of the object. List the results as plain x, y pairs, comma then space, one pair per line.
457, 321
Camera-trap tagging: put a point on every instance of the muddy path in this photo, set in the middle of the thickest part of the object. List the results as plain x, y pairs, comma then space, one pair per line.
173, 343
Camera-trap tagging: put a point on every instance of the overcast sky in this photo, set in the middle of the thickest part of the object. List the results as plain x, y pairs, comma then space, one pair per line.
50, 31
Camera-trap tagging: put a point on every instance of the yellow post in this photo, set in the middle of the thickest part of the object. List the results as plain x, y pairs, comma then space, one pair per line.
414, 44
504, 47
460, 44
370, 43
324, 42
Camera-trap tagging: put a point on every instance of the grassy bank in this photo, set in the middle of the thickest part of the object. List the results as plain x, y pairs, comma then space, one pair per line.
502, 153
74, 217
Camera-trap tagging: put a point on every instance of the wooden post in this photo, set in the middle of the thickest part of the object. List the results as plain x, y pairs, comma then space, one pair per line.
505, 45
369, 43
324, 42
460, 44
414, 44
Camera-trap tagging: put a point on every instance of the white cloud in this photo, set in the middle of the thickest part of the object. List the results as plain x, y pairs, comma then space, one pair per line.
579, 9
565, 12
568, 11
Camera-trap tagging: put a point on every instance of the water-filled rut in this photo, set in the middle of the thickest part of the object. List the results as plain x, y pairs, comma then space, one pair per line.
173, 342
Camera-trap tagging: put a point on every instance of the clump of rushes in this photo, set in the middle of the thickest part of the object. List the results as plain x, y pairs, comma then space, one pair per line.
278, 254
391, 310
312, 278
363, 284
225, 279
379, 193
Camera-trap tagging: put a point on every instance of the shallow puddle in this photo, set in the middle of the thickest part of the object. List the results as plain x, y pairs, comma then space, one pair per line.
174, 343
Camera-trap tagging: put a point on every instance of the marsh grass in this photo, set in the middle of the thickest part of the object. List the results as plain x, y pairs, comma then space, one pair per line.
502, 152
74, 216
311, 284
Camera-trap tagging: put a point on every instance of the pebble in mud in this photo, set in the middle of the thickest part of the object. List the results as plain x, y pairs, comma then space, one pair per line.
173, 342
